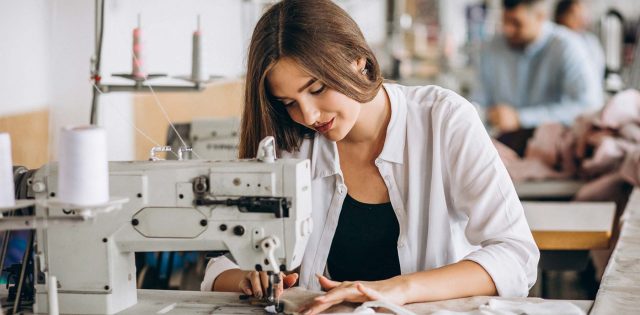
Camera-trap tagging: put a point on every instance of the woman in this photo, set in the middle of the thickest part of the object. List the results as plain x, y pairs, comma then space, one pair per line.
408, 191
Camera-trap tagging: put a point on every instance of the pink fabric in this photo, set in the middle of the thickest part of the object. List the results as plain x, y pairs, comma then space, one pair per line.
603, 145
630, 169
524, 169
623, 108
631, 132
545, 143
603, 188
608, 155
531, 170
505, 153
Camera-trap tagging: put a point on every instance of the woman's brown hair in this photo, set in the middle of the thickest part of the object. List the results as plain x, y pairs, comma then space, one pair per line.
322, 39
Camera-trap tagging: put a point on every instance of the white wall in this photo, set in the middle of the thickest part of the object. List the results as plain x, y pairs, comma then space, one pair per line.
46, 46
24, 56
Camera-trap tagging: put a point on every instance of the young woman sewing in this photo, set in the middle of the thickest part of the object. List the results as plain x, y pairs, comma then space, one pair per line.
410, 199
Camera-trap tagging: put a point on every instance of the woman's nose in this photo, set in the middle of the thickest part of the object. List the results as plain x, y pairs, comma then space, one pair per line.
310, 113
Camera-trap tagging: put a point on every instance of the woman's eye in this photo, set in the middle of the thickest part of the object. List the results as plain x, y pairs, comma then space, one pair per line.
318, 91
288, 104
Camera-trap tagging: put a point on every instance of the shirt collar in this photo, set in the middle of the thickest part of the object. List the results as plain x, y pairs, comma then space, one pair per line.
324, 157
393, 150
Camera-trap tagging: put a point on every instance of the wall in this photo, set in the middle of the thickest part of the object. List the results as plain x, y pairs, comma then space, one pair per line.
25, 89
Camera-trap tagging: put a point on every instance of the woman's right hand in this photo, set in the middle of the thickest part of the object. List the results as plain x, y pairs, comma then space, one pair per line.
256, 283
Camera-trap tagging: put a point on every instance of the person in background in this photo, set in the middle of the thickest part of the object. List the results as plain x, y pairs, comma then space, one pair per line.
532, 73
572, 14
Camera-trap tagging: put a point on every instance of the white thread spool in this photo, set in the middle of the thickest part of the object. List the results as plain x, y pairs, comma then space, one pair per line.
198, 64
83, 172
7, 192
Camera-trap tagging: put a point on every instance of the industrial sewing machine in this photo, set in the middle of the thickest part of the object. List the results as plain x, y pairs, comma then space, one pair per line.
212, 138
259, 210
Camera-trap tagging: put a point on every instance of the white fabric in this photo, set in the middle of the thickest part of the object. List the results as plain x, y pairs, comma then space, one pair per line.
502, 307
451, 194
7, 193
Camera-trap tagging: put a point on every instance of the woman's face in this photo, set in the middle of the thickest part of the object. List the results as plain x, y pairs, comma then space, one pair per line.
310, 103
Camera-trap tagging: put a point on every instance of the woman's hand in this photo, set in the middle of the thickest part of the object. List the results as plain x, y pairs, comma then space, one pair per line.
390, 290
256, 283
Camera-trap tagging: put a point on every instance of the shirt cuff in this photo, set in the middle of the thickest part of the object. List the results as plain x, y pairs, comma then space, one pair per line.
508, 275
215, 267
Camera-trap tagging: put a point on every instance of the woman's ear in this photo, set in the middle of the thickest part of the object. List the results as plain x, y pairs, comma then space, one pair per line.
359, 65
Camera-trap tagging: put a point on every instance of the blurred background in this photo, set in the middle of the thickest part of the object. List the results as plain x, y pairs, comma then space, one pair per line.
65, 62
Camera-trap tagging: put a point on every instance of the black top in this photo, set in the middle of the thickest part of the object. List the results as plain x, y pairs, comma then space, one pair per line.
365, 244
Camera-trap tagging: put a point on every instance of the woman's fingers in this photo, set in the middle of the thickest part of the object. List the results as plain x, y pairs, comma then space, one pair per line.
368, 292
327, 284
256, 284
340, 294
245, 286
264, 280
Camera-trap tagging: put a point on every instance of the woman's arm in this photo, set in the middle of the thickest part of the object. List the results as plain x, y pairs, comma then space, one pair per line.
228, 281
462, 279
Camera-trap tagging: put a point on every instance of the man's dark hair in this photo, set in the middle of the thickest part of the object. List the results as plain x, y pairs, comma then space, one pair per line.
563, 7
512, 4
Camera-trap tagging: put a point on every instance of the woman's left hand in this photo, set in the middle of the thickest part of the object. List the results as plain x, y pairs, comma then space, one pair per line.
390, 290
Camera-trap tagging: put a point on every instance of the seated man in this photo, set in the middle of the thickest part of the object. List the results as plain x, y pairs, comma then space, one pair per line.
572, 14
534, 72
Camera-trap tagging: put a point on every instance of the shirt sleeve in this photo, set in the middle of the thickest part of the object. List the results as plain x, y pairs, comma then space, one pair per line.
482, 191
215, 267
581, 90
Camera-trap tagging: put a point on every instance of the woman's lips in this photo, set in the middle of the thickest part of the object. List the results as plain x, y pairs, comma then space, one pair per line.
325, 127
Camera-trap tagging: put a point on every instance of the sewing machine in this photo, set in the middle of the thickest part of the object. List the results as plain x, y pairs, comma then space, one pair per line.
211, 138
259, 210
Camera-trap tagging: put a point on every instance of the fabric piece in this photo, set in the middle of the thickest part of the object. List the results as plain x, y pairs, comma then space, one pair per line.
631, 132
630, 169
581, 130
623, 108
608, 155
531, 170
295, 298
500, 307
506, 153
517, 140
545, 143
603, 188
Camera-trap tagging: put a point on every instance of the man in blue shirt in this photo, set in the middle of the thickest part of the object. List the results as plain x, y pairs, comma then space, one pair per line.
572, 14
534, 72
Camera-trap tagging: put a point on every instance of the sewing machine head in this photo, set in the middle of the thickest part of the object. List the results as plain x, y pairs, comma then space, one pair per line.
259, 211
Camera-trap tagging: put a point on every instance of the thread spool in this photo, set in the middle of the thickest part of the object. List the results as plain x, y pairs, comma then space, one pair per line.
137, 60
198, 64
53, 296
7, 192
83, 172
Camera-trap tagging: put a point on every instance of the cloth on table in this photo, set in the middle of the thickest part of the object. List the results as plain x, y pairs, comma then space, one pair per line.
600, 147
296, 297
631, 132
548, 155
501, 307
623, 108
630, 169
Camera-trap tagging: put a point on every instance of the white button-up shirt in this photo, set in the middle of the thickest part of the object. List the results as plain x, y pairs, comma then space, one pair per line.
449, 190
